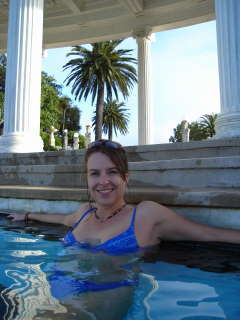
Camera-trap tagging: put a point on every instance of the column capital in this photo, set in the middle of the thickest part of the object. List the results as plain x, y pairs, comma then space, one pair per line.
143, 33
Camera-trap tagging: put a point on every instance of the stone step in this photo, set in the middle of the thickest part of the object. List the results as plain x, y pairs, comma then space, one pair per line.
187, 150
43, 175
201, 197
222, 172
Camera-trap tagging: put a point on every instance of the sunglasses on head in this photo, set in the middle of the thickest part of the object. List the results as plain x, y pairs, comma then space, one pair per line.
107, 143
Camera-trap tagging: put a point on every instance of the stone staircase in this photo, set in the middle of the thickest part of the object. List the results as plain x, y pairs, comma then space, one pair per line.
199, 179
167, 151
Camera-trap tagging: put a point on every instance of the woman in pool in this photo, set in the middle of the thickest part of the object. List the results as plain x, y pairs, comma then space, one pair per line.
112, 225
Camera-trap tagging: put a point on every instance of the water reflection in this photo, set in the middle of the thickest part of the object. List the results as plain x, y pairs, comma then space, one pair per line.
186, 293
164, 291
28, 293
26, 253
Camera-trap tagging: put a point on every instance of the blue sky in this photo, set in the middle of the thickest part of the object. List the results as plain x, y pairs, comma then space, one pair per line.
184, 76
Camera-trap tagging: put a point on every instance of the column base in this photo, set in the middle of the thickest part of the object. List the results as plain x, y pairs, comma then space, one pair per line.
21, 143
228, 126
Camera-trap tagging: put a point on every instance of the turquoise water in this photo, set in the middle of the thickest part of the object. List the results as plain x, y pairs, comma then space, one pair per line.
177, 282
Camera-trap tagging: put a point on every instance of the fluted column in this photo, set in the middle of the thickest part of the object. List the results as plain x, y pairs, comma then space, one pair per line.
228, 35
144, 88
23, 78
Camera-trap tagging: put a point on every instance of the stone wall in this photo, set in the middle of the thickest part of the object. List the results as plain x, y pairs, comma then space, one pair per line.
205, 188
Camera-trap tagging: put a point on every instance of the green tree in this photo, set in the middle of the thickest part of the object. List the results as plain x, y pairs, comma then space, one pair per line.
177, 135
3, 64
51, 114
115, 118
208, 122
199, 130
72, 119
64, 104
102, 69
57, 111
3, 60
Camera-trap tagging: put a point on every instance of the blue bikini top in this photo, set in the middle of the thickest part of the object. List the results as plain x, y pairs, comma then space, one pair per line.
123, 243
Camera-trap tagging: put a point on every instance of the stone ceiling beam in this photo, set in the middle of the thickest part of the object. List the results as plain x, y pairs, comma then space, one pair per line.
68, 22
135, 6
75, 7
86, 31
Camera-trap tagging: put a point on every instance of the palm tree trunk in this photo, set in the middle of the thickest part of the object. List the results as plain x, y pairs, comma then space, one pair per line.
99, 113
63, 119
110, 132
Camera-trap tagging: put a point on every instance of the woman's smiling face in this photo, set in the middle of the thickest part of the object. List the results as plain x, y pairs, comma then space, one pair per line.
105, 183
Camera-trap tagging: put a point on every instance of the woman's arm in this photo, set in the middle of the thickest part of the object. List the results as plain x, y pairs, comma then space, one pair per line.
64, 219
170, 226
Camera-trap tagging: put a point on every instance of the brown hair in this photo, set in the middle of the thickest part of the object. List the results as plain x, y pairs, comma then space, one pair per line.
114, 151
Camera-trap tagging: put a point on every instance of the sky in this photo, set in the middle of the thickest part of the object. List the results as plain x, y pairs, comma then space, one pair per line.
184, 81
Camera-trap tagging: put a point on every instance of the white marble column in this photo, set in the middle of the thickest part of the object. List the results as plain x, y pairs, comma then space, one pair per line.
228, 40
23, 78
144, 89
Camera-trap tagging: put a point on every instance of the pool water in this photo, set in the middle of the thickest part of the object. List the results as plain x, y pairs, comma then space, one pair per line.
178, 281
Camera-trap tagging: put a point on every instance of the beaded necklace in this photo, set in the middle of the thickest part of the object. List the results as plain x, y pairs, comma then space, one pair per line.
111, 215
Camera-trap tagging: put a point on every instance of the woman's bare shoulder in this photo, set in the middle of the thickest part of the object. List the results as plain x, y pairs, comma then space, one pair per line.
150, 214
154, 212
151, 208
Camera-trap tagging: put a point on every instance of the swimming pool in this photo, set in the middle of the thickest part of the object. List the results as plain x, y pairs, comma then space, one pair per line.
40, 280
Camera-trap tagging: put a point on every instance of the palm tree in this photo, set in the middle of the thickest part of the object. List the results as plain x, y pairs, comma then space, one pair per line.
102, 69
208, 123
64, 104
115, 118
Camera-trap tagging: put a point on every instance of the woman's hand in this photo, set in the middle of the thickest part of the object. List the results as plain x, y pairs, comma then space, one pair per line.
17, 216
